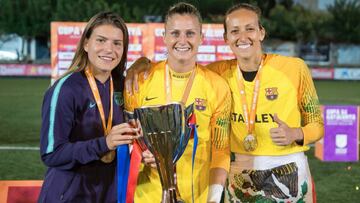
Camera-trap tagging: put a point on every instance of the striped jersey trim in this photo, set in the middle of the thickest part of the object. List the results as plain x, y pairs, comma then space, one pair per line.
54, 99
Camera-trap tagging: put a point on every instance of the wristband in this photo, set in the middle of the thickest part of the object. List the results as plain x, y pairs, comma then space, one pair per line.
215, 193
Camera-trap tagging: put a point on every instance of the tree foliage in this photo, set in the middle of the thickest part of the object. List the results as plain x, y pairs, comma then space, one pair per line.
344, 25
28, 18
296, 23
283, 19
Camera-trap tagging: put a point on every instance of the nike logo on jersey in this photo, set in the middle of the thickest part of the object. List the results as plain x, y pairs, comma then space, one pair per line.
92, 105
150, 98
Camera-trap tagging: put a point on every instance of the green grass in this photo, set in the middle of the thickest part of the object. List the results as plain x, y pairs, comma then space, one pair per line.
335, 182
20, 120
21, 165
20, 107
338, 92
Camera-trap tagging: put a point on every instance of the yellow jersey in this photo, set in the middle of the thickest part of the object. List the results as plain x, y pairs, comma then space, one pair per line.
211, 98
286, 89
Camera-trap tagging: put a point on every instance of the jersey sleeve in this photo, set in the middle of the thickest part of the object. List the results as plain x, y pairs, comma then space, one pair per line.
313, 125
134, 100
220, 124
219, 67
58, 118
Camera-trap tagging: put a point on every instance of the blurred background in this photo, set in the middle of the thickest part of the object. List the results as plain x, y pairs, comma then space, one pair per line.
325, 33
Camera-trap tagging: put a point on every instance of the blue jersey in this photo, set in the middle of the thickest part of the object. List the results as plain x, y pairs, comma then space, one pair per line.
72, 142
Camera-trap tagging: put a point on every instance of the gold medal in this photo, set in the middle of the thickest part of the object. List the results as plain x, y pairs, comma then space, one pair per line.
250, 143
108, 157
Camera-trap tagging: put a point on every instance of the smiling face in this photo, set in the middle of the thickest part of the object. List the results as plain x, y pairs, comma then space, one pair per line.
182, 38
104, 48
244, 34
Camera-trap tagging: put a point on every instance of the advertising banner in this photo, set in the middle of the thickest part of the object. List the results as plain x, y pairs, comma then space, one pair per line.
322, 73
347, 74
25, 70
64, 39
213, 47
137, 42
65, 36
340, 142
144, 40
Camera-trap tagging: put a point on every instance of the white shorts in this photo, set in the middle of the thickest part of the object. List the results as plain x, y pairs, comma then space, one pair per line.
284, 178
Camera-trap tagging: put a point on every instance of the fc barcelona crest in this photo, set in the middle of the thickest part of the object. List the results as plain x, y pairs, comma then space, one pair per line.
271, 93
200, 104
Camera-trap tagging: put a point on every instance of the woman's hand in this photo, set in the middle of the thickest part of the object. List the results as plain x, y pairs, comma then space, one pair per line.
148, 158
142, 64
284, 135
121, 134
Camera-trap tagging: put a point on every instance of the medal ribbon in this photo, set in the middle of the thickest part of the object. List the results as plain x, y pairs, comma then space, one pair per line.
249, 116
123, 158
183, 102
95, 91
135, 161
123, 169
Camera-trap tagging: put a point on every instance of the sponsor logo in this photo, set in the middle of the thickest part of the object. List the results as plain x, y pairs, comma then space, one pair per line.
200, 104
347, 74
259, 118
322, 73
150, 98
271, 93
341, 142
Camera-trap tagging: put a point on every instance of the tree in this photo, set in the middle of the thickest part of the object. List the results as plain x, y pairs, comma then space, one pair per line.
282, 18
344, 25
296, 23
28, 19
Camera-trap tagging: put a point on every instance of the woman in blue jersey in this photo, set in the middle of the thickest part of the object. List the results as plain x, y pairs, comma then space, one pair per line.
82, 121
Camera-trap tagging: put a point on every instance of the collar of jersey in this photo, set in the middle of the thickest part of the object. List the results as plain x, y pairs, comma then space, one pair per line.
179, 76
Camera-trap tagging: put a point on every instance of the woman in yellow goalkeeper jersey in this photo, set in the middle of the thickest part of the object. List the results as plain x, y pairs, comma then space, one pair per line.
211, 99
275, 115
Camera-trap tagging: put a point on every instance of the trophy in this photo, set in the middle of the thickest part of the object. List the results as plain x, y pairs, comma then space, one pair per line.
166, 135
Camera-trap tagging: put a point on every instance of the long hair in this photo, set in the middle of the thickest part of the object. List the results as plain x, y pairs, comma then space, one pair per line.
81, 60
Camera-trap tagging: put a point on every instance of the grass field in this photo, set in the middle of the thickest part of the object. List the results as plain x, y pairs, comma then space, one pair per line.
20, 104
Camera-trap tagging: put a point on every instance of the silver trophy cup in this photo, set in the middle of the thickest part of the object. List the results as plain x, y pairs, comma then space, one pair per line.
166, 135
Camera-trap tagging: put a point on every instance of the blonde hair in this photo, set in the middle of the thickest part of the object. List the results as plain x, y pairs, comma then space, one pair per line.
183, 8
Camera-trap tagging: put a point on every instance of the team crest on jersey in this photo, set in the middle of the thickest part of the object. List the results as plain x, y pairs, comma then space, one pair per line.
200, 104
271, 93
118, 98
